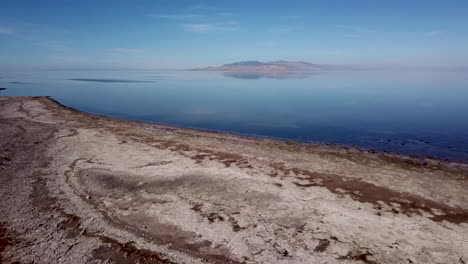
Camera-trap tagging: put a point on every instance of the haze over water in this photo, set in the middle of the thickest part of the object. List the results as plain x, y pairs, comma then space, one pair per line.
420, 113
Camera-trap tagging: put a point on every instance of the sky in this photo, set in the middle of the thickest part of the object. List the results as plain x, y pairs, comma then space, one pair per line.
167, 34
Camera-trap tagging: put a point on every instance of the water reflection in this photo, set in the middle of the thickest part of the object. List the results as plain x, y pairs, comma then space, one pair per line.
411, 113
267, 74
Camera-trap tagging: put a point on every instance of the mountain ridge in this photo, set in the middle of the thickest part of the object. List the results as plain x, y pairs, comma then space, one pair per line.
279, 65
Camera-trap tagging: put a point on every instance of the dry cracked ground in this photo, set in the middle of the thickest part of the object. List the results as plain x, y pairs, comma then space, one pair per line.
81, 188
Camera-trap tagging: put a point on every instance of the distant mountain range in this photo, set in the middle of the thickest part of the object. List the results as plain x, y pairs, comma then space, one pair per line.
280, 65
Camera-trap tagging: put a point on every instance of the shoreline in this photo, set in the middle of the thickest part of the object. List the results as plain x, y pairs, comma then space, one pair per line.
411, 156
81, 188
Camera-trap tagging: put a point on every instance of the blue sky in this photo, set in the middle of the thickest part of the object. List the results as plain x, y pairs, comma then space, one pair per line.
189, 33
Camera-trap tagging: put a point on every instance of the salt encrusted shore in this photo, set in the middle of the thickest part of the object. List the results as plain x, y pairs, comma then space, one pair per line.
82, 188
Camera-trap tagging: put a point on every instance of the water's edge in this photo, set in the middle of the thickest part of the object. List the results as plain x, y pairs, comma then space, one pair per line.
413, 156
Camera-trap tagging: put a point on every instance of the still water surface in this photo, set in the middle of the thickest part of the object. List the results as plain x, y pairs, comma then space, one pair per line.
413, 113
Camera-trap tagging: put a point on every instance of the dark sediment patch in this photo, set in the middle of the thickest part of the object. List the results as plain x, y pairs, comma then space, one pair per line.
213, 216
72, 225
108, 80
175, 239
6, 240
116, 252
359, 256
369, 193
227, 159
453, 218
411, 162
322, 246
150, 164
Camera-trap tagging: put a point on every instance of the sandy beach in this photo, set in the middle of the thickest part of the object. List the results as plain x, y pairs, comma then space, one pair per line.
82, 188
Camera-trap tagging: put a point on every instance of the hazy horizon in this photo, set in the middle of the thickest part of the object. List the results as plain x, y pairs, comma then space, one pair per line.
189, 34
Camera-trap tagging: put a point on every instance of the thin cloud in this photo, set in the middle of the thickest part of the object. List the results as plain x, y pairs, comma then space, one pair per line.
433, 33
178, 16
289, 17
202, 7
70, 59
127, 51
208, 28
44, 35
280, 29
339, 53
267, 44
125, 54
5, 30
351, 35
45, 42
355, 29
56, 45
190, 16
226, 14
199, 28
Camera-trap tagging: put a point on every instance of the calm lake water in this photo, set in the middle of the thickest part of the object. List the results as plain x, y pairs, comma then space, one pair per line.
422, 113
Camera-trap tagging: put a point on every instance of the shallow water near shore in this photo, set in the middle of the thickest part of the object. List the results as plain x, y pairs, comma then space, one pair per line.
423, 113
